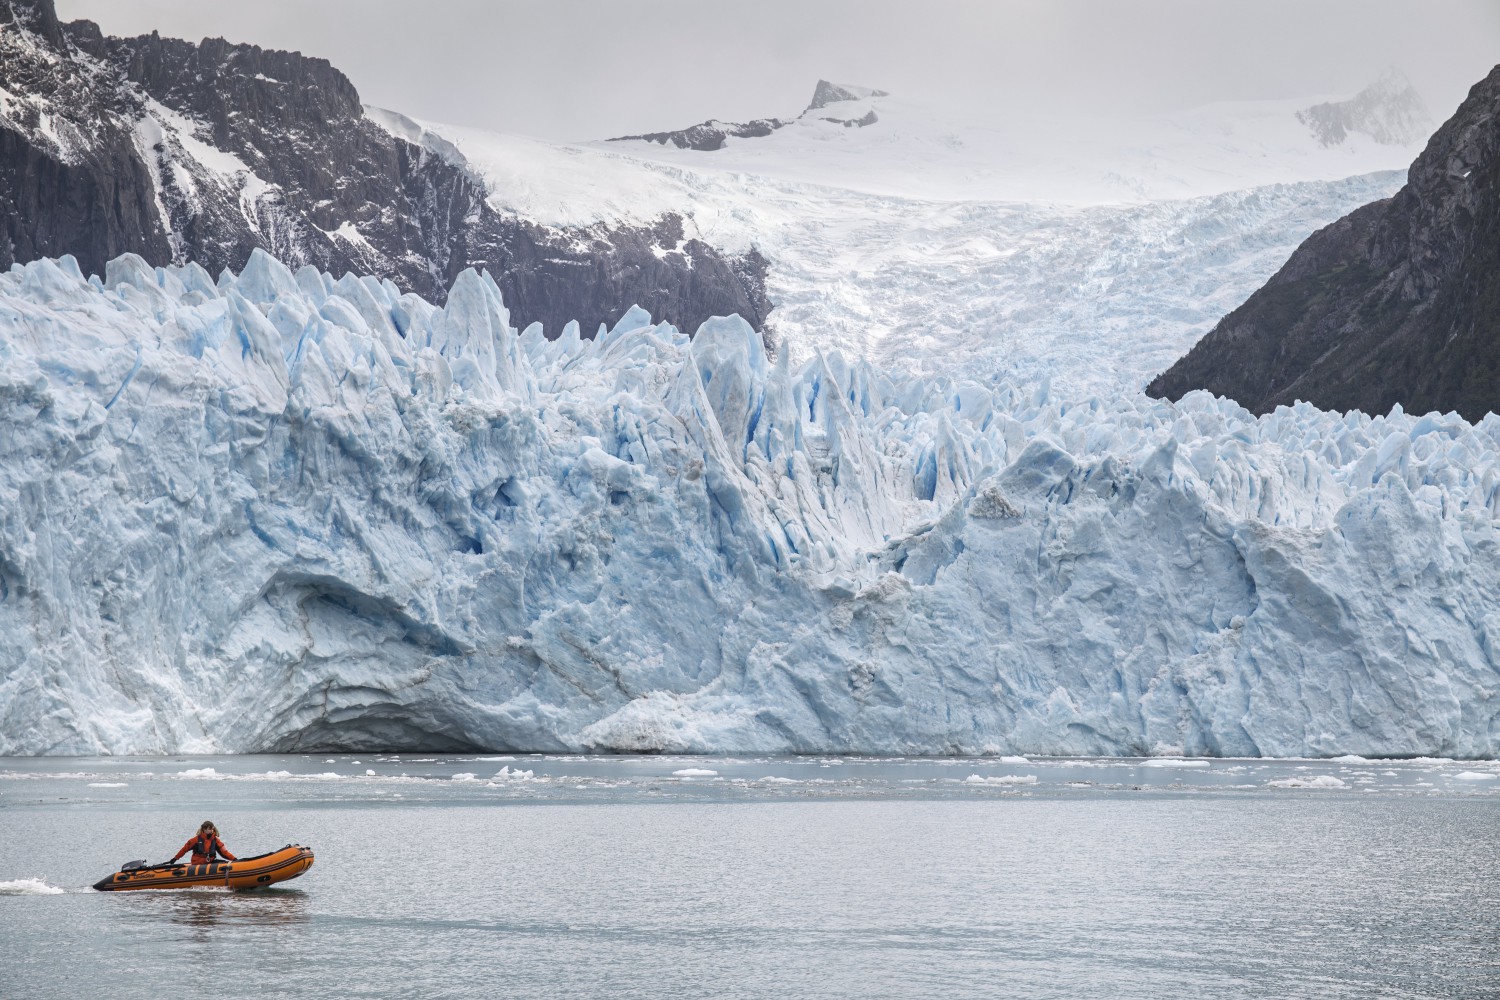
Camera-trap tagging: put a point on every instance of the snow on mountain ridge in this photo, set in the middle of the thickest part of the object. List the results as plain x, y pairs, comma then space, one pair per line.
714, 134
1390, 111
929, 151
181, 151
284, 511
826, 93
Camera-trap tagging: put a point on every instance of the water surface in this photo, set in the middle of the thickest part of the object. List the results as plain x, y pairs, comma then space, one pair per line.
575, 876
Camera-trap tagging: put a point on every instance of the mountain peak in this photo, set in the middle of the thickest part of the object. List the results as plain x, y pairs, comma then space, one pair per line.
826, 94
832, 93
1389, 111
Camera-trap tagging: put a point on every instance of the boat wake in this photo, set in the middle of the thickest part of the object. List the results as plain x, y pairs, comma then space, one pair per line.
29, 887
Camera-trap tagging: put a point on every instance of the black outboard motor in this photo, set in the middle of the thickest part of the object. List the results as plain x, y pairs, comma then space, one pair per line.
131, 866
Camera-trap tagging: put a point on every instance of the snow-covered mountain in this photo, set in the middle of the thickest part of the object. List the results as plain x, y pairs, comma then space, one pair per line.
928, 150
1389, 111
987, 249
284, 511
1093, 254
204, 152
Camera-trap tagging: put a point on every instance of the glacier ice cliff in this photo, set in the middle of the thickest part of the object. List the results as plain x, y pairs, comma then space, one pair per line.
279, 511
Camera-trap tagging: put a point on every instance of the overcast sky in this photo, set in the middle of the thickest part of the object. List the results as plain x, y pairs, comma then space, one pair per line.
578, 69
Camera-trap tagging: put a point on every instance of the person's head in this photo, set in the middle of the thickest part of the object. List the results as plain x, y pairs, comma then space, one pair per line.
208, 827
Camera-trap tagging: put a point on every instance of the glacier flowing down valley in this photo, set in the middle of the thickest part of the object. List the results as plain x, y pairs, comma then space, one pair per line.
280, 511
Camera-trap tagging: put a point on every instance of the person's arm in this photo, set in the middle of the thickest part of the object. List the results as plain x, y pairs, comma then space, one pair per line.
224, 850
185, 848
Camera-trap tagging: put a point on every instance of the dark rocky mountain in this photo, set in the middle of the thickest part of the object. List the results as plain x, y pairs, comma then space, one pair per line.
1398, 302
711, 135
180, 151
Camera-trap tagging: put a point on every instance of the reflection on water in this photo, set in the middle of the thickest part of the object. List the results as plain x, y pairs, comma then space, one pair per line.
220, 909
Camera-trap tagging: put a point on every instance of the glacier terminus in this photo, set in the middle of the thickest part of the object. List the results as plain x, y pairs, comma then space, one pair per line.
280, 511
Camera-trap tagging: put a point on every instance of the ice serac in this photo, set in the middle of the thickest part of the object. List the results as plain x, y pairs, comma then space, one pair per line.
283, 511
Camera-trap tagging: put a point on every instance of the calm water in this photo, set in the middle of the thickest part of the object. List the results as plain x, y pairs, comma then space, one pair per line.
772, 877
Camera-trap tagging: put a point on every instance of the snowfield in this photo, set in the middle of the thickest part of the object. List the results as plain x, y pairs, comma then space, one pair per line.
283, 511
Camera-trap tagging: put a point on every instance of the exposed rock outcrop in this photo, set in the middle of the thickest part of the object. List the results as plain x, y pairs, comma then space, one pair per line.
711, 135
832, 93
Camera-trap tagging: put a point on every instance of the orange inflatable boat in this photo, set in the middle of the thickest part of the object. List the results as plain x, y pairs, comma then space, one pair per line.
245, 873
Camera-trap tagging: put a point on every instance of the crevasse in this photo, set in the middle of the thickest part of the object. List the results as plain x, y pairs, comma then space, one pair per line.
285, 511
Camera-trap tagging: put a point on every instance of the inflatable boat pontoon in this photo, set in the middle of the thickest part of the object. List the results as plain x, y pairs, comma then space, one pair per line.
245, 873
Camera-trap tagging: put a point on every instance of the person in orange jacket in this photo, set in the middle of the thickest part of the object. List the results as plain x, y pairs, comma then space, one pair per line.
204, 844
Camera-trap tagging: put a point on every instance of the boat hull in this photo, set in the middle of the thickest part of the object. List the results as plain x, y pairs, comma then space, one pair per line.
244, 873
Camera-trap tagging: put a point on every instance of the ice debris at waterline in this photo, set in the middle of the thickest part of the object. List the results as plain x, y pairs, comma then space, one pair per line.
285, 511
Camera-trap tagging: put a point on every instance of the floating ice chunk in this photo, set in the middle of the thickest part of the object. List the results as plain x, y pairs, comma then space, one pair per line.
107, 784
1320, 781
369, 771
506, 773
695, 772
1475, 776
199, 772
1175, 762
1014, 760
465, 776
1350, 758
1000, 779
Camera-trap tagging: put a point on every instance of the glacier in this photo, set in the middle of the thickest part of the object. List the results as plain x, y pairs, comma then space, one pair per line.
280, 511
953, 272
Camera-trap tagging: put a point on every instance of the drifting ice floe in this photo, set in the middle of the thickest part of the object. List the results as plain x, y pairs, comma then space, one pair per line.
287, 511
1321, 781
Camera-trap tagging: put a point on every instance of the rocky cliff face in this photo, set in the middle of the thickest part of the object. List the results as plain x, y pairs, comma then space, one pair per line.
1398, 302
204, 152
